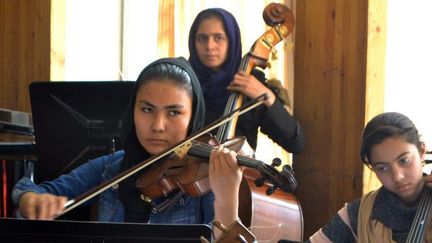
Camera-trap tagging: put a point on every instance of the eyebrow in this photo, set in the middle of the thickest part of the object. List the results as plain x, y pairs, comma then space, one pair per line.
397, 158
211, 34
175, 106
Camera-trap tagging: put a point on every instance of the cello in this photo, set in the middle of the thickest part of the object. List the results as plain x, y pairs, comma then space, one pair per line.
418, 230
278, 216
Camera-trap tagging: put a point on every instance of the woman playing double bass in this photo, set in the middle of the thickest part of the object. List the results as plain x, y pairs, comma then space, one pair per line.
215, 55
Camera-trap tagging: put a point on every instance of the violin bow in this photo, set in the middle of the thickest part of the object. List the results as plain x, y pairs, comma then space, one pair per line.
180, 149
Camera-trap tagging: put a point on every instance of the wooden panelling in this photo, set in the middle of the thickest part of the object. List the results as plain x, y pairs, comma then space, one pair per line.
338, 87
329, 98
24, 49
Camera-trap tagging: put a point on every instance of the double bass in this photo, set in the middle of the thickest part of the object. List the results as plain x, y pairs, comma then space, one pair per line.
276, 216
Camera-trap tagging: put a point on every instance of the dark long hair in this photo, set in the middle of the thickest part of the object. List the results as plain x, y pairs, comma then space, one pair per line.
388, 125
178, 71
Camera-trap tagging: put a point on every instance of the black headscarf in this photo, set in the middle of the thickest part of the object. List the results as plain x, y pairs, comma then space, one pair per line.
137, 210
214, 83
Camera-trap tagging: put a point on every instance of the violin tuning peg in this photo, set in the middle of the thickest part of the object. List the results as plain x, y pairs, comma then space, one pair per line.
270, 190
259, 182
276, 162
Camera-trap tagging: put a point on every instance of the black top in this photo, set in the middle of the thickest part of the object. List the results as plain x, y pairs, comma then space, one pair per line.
275, 122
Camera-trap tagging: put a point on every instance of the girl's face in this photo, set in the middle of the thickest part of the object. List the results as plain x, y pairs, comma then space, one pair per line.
162, 114
398, 165
211, 43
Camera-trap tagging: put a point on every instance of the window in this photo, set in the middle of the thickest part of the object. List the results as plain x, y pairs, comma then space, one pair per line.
408, 82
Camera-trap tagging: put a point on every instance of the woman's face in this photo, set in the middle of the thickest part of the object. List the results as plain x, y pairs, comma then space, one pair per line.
211, 43
162, 114
398, 165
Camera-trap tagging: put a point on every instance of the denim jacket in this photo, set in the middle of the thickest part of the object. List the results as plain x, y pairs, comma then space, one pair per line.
187, 210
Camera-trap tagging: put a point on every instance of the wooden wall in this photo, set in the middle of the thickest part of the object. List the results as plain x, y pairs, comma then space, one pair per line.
330, 96
334, 91
330, 67
24, 49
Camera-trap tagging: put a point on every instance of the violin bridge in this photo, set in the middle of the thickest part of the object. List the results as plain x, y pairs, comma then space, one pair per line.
182, 150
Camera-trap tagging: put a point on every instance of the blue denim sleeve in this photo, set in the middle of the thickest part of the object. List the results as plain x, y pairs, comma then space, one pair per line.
71, 185
207, 203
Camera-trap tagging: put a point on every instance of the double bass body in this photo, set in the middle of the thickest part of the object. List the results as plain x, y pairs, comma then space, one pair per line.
270, 218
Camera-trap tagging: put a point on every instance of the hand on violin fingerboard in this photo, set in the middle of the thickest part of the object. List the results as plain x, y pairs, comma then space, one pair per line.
41, 206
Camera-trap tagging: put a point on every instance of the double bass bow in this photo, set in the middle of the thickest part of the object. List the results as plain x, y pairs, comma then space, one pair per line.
265, 216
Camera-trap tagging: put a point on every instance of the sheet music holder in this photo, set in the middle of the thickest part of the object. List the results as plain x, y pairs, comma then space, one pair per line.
23, 230
76, 121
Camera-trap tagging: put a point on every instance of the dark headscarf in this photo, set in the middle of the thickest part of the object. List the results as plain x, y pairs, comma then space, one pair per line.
214, 83
136, 209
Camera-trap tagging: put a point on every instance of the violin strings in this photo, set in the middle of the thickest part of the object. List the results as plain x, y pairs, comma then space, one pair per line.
203, 149
269, 173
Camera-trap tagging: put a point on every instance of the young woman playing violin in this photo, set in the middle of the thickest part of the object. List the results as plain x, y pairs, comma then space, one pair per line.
215, 55
396, 212
166, 106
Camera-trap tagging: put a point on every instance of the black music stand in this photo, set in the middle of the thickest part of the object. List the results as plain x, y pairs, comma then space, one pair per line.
76, 121
22, 230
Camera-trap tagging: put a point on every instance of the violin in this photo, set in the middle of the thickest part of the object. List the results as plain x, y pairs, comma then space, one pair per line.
179, 150
191, 177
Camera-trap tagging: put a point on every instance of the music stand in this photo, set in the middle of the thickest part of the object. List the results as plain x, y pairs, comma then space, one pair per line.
76, 121
22, 230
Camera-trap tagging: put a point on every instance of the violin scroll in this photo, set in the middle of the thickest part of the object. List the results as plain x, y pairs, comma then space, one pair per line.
285, 180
